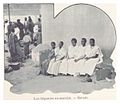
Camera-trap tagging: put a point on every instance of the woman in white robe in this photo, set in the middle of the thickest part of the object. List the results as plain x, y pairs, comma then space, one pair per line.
72, 56
54, 65
93, 57
68, 64
80, 60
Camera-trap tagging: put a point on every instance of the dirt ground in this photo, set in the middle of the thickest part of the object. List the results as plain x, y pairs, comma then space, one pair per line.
27, 80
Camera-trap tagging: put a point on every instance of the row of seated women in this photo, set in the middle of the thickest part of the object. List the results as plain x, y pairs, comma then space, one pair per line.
77, 60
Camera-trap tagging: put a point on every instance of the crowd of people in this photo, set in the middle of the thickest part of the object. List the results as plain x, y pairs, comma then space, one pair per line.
76, 61
19, 36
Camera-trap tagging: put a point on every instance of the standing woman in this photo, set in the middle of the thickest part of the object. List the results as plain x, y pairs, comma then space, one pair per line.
19, 49
12, 46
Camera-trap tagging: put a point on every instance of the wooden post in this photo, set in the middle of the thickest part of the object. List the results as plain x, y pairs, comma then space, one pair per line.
9, 12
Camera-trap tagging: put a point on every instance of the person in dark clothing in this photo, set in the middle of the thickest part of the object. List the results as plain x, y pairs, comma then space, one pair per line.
16, 53
10, 28
30, 27
21, 27
25, 25
38, 23
38, 37
12, 46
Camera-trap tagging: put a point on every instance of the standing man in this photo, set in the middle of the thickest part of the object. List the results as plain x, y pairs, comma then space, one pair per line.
6, 30
17, 31
25, 25
38, 23
10, 28
6, 35
21, 27
30, 27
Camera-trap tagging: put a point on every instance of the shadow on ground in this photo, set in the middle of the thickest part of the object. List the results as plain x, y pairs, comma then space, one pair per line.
26, 80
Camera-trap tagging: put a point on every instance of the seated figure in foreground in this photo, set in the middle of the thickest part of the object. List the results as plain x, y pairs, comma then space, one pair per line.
93, 57
80, 60
54, 64
74, 63
45, 63
67, 65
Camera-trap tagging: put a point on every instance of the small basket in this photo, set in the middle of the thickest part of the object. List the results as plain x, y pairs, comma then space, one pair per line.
15, 66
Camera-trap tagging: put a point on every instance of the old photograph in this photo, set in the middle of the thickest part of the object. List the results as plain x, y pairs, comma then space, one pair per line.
67, 53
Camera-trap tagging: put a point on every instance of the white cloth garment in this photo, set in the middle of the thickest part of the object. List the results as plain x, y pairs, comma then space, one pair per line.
6, 32
26, 23
72, 55
64, 66
6, 28
35, 28
90, 64
79, 65
27, 39
17, 32
68, 64
55, 62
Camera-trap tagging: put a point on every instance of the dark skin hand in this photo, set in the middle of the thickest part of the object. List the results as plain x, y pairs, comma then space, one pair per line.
87, 58
76, 60
60, 58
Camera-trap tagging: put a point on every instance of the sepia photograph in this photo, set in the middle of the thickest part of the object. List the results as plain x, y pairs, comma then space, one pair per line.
65, 53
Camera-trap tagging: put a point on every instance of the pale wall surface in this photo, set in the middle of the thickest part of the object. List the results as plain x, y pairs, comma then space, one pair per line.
78, 21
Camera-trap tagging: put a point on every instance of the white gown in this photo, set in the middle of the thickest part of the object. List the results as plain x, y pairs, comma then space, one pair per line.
6, 31
63, 66
55, 63
90, 64
79, 65
68, 65
17, 32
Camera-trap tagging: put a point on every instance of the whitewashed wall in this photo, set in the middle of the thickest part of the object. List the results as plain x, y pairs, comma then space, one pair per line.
78, 21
